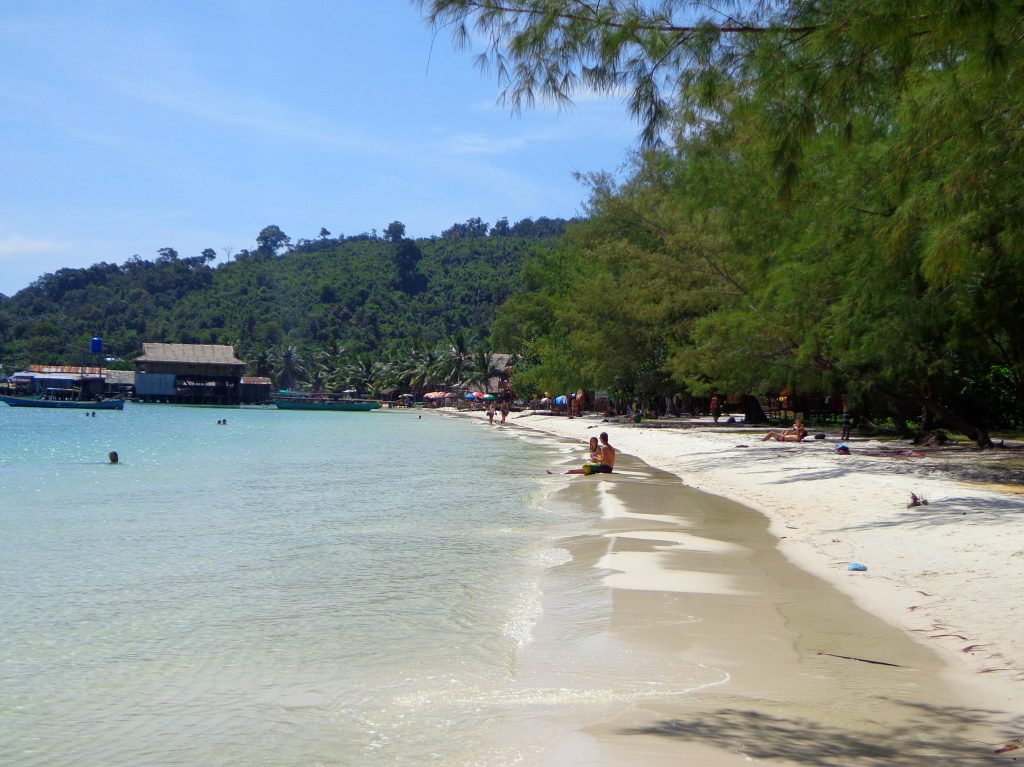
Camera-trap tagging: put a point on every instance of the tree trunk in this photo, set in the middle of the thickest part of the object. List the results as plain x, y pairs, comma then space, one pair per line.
752, 411
955, 420
898, 418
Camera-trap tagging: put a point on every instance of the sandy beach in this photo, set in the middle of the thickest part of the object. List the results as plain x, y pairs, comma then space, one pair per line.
718, 546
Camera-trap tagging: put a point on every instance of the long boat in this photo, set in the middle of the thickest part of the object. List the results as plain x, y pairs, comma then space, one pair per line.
66, 404
302, 401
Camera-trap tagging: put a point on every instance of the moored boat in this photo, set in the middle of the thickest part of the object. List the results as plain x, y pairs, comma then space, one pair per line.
66, 404
303, 401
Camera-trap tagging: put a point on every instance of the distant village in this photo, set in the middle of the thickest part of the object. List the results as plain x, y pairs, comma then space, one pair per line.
185, 374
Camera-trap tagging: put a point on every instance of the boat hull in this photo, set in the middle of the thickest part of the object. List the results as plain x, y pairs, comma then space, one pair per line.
107, 404
339, 405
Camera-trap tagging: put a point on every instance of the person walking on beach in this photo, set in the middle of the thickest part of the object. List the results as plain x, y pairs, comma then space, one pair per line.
847, 424
716, 407
504, 410
490, 413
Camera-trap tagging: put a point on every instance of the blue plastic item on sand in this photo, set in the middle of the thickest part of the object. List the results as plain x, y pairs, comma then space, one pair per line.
857, 566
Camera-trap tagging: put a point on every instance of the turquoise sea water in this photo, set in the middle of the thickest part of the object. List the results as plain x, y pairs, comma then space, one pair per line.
290, 588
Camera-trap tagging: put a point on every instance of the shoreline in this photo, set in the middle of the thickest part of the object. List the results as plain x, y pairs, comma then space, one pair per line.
948, 575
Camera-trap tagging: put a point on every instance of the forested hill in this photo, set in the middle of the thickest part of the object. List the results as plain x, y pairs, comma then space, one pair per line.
365, 293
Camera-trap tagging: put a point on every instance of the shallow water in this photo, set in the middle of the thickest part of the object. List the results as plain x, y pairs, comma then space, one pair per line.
289, 588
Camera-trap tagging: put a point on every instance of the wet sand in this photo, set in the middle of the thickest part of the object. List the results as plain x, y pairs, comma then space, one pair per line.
715, 649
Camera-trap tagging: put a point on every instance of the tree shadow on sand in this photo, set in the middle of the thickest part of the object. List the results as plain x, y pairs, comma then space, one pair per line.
951, 510
928, 735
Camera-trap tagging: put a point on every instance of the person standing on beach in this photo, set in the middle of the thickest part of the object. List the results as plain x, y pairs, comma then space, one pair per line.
504, 410
716, 407
847, 424
490, 413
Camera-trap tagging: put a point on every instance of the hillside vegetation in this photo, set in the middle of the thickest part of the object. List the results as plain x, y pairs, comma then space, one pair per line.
388, 296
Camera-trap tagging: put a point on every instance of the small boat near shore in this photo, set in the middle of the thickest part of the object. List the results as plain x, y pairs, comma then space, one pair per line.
64, 404
332, 402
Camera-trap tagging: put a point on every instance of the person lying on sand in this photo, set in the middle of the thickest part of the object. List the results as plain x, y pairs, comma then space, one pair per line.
796, 434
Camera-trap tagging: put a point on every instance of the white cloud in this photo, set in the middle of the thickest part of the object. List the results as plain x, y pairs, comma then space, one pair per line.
15, 246
479, 144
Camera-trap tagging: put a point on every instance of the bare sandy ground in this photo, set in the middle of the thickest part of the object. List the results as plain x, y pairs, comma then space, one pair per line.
950, 574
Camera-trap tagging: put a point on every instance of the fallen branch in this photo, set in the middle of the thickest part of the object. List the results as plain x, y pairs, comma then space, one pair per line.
862, 660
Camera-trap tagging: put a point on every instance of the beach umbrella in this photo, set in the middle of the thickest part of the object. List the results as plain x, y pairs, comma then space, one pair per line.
561, 399
470, 396
488, 396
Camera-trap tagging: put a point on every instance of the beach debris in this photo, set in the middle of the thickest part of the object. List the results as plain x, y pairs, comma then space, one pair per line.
973, 647
857, 567
1010, 745
842, 450
958, 636
917, 500
862, 660
743, 446
924, 593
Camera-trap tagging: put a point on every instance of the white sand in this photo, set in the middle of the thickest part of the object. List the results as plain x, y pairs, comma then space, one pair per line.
951, 572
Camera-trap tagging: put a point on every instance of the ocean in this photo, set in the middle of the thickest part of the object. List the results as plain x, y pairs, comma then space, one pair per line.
288, 588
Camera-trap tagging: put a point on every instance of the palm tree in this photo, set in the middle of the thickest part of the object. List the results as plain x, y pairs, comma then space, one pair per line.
362, 372
482, 368
290, 367
263, 363
456, 354
423, 369
330, 361
319, 378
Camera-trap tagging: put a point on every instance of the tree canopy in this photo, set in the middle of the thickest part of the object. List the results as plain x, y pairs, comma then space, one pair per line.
828, 198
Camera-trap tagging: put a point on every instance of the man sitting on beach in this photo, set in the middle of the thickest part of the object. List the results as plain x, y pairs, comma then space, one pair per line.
606, 457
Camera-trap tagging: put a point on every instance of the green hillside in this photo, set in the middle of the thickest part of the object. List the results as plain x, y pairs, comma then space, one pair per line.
364, 294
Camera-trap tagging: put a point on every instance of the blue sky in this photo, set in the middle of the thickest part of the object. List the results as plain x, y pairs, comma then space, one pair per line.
129, 126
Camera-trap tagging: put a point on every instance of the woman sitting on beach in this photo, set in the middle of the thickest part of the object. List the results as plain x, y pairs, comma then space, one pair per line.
796, 434
595, 458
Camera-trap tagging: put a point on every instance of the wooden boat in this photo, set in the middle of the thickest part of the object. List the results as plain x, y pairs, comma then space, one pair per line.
67, 404
303, 401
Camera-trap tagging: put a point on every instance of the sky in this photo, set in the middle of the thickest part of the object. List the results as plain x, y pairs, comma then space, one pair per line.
127, 126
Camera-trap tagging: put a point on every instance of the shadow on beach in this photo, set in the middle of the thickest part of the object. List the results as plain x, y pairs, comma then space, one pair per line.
929, 735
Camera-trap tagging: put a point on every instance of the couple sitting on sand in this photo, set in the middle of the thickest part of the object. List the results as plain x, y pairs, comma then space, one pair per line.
796, 434
602, 457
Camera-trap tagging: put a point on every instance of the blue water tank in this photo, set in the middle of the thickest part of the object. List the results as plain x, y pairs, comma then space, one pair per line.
96, 346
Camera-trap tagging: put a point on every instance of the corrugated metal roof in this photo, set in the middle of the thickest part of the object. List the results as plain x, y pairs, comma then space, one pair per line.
205, 354
77, 369
256, 380
120, 376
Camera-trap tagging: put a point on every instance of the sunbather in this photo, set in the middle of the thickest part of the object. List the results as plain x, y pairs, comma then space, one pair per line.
796, 434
